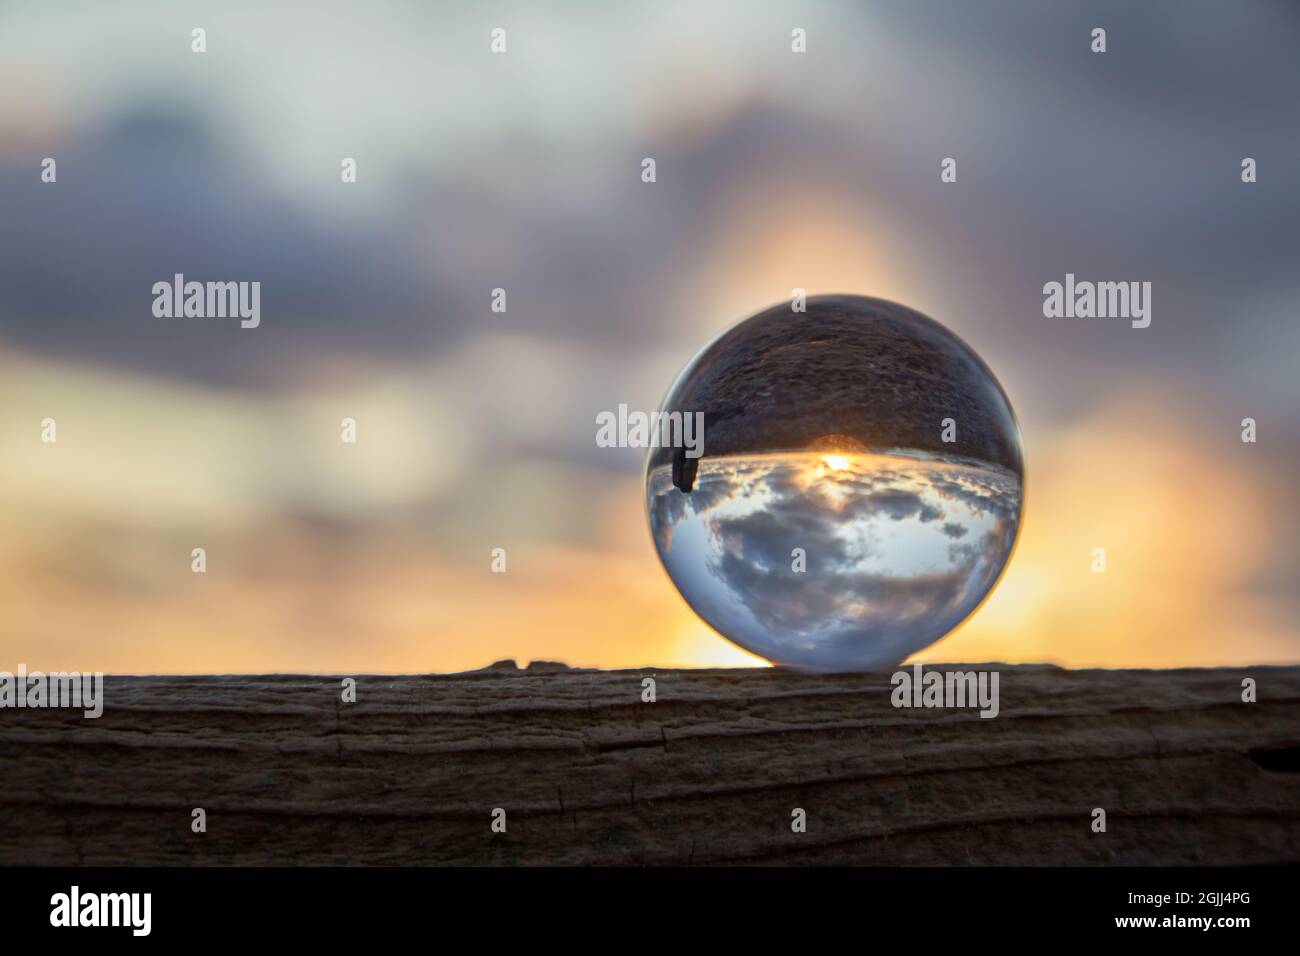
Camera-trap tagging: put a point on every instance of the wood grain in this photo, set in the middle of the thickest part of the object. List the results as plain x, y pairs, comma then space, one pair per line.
708, 774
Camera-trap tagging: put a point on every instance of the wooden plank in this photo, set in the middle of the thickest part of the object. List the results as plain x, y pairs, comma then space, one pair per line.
707, 774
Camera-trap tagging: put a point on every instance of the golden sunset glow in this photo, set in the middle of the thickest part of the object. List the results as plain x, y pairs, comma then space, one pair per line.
475, 427
95, 567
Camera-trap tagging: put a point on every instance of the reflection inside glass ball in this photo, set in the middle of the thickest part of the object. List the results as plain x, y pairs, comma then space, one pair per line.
859, 491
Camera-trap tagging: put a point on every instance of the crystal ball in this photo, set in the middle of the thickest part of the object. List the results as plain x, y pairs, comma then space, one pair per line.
856, 490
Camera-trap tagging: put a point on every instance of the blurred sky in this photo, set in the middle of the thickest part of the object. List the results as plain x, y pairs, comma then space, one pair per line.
476, 429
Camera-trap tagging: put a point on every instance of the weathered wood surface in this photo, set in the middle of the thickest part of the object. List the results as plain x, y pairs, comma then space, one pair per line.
708, 774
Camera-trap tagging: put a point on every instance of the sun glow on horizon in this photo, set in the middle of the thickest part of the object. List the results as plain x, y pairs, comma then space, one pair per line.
326, 594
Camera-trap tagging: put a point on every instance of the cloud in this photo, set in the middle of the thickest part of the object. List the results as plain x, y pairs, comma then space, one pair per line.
859, 597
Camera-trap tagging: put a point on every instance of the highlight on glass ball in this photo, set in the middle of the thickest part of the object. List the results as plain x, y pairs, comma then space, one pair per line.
858, 489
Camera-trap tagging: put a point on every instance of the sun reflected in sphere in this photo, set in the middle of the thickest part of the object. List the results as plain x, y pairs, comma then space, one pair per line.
859, 492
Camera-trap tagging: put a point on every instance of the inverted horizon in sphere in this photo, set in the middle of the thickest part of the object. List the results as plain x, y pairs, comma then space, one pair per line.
860, 488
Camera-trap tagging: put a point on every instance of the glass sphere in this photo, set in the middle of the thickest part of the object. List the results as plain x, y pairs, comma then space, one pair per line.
857, 490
